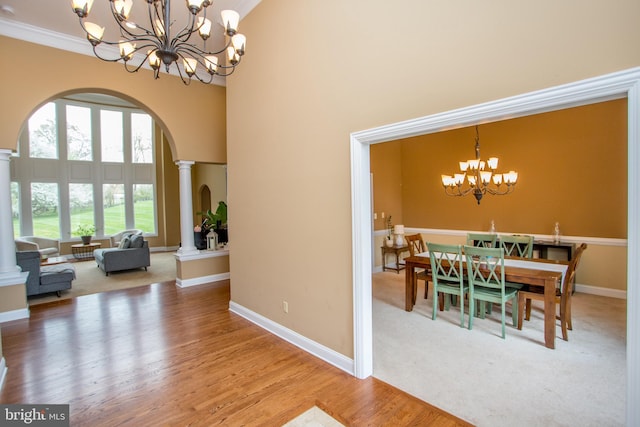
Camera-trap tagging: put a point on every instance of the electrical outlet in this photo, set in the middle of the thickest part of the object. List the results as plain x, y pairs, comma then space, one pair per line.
285, 306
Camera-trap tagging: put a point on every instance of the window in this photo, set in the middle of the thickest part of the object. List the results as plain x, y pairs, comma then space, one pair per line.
102, 174
79, 133
43, 135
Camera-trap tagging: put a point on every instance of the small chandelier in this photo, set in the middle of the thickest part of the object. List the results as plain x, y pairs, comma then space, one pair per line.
160, 45
479, 180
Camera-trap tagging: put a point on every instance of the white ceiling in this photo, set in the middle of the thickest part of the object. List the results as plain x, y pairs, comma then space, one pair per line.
53, 22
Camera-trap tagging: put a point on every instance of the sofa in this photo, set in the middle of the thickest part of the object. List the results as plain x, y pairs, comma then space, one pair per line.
116, 238
132, 253
43, 279
47, 247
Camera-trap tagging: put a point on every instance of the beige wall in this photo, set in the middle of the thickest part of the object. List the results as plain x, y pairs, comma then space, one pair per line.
193, 117
353, 66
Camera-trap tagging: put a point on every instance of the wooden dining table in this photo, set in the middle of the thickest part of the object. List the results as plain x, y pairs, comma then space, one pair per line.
546, 279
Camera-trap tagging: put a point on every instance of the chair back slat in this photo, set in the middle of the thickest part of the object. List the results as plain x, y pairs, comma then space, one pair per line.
446, 262
569, 277
415, 243
483, 240
485, 266
517, 246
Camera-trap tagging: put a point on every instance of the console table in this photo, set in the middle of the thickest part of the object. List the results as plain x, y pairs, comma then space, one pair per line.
397, 250
81, 251
543, 246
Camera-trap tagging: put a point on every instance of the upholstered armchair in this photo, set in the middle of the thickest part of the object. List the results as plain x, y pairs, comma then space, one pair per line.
47, 247
116, 238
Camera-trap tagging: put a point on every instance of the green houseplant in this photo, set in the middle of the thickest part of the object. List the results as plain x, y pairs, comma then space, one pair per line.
85, 231
216, 221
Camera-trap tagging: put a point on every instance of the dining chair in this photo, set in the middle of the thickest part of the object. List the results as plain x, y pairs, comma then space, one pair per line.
485, 275
447, 267
417, 246
563, 296
483, 240
517, 246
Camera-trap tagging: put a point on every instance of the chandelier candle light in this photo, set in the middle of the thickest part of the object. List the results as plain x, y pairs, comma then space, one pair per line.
160, 45
479, 180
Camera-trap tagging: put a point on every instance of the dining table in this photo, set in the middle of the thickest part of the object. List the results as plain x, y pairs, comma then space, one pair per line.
543, 273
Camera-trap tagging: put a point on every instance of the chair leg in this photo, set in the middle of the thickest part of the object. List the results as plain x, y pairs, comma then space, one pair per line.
471, 313
520, 310
514, 311
502, 318
528, 309
426, 289
567, 315
563, 323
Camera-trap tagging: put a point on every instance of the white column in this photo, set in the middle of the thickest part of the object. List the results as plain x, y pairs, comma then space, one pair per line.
186, 208
8, 266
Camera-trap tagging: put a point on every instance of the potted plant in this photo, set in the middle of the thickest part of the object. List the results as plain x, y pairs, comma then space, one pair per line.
389, 241
85, 231
216, 221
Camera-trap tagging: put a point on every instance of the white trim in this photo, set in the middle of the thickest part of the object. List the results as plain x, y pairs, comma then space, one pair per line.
8, 316
3, 372
185, 283
603, 292
328, 355
611, 86
601, 241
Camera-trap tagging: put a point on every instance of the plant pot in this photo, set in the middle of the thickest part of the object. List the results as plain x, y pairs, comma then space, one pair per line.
86, 240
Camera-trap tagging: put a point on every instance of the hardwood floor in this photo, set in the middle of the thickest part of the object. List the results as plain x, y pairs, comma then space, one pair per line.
161, 355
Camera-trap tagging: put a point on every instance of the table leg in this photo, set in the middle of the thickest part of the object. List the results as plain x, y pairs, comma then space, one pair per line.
550, 313
410, 285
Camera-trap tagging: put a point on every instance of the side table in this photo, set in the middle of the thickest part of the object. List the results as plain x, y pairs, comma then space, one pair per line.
397, 250
81, 251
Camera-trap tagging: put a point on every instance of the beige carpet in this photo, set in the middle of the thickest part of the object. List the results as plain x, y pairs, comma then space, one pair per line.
478, 376
90, 279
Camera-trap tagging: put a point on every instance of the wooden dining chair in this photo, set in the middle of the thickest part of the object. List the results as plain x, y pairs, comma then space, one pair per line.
483, 240
485, 275
447, 276
417, 246
563, 296
517, 246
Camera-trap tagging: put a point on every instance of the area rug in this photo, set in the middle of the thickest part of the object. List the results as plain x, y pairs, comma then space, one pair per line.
90, 279
314, 417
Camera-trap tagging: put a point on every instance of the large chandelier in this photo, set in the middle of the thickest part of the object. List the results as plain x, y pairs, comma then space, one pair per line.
160, 43
479, 181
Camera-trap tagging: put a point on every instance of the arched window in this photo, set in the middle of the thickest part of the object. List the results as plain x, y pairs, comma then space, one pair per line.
87, 159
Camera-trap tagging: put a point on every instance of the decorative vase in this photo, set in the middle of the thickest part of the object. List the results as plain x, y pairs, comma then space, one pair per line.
388, 243
399, 240
86, 240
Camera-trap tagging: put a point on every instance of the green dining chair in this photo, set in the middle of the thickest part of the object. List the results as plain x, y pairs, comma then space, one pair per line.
517, 245
483, 240
485, 275
447, 276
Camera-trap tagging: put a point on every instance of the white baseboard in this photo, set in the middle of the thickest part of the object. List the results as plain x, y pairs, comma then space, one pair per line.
3, 372
603, 292
322, 352
202, 280
8, 316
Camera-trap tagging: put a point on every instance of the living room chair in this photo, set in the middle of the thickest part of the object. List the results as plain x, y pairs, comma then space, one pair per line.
517, 246
417, 246
46, 246
447, 276
485, 275
483, 240
563, 296
116, 238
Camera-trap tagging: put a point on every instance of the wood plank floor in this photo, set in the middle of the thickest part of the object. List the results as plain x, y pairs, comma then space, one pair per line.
161, 355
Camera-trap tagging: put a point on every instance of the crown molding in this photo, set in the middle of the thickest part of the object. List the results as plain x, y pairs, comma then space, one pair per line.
41, 36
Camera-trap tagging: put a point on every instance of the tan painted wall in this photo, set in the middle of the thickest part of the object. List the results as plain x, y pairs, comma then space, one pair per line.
356, 65
193, 117
13, 298
192, 269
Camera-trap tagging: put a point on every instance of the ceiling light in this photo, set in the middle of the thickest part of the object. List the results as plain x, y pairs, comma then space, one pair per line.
161, 43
